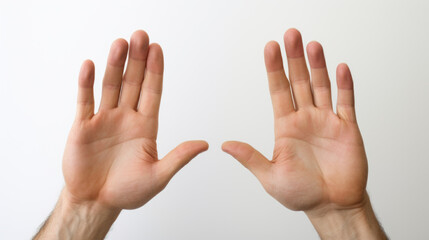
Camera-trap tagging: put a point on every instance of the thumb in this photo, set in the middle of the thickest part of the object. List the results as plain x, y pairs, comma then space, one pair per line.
180, 156
252, 159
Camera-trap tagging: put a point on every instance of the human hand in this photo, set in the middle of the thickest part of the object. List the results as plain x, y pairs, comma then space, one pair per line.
319, 163
111, 157
111, 162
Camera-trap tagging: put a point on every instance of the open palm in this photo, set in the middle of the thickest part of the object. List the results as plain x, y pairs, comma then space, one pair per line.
111, 156
319, 158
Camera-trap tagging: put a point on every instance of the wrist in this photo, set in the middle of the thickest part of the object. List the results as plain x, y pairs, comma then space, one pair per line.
356, 222
89, 218
72, 204
73, 219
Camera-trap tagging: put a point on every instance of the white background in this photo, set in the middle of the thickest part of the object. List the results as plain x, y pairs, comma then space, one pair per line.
215, 89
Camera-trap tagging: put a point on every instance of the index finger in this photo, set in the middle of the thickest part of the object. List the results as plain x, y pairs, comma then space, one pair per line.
280, 92
150, 95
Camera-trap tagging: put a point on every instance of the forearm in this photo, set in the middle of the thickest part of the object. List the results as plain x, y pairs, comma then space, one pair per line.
353, 223
77, 221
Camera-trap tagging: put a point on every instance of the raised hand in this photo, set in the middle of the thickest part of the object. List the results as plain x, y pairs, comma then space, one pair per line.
111, 157
111, 161
319, 163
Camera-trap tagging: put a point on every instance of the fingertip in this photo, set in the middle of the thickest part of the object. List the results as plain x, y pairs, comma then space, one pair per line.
120, 43
88, 63
273, 57
139, 42
342, 69
292, 32
271, 48
344, 77
204, 145
315, 55
234, 147
293, 43
156, 45
118, 52
140, 37
224, 146
86, 75
155, 62
195, 145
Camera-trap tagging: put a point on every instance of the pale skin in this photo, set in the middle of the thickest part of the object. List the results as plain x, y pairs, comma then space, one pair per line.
319, 164
110, 162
